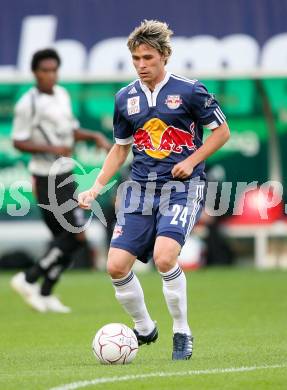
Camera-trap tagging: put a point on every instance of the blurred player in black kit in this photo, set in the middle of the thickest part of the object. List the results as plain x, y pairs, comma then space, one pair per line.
45, 127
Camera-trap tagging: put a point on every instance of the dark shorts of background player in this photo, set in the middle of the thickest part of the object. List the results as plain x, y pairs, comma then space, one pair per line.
136, 232
67, 192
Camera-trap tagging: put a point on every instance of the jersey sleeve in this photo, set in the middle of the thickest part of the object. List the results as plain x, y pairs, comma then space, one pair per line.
75, 124
123, 133
22, 122
205, 107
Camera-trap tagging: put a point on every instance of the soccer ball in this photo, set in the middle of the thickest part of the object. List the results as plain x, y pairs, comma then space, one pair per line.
115, 344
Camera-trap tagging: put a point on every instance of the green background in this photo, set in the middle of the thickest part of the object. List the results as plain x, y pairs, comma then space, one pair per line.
243, 158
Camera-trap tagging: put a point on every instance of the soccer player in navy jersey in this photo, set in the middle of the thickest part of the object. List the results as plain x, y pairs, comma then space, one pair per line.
160, 116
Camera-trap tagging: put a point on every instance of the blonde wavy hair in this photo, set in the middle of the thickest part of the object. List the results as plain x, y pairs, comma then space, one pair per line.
153, 33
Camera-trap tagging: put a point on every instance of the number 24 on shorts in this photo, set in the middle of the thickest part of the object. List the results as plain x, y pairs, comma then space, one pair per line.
180, 215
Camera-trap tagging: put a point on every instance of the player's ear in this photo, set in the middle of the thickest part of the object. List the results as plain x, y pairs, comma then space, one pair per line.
163, 59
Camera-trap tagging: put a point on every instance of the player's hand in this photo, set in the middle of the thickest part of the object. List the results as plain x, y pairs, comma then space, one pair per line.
86, 198
63, 151
182, 170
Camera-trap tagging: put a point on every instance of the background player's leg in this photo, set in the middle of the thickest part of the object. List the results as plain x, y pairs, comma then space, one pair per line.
166, 251
59, 251
51, 266
128, 290
65, 245
40, 187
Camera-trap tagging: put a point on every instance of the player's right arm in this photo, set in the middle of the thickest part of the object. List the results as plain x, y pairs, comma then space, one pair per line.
114, 160
123, 136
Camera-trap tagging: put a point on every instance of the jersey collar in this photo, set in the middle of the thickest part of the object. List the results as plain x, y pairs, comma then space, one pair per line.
151, 96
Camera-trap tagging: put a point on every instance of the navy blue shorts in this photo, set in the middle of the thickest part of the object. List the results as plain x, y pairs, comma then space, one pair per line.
146, 213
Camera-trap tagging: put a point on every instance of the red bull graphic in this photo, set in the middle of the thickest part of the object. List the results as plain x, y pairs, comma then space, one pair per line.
142, 140
173, 101
174, 139
158, 140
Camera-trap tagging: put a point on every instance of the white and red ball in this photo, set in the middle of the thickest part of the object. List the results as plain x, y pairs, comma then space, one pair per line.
115, 344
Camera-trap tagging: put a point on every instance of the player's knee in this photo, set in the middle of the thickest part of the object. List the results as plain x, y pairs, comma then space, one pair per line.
164, 261
119, 263
116, 270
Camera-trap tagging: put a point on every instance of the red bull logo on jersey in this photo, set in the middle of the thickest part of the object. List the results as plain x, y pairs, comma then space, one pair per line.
159, 140
174, 140
173, 101
142, 140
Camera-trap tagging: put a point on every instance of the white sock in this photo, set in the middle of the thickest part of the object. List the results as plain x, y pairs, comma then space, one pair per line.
130, 295
174, 290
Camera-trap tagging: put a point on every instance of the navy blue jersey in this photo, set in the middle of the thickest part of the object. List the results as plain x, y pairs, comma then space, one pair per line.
165, 126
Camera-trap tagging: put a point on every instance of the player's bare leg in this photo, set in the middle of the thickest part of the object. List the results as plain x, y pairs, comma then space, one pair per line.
166, 251
129, 293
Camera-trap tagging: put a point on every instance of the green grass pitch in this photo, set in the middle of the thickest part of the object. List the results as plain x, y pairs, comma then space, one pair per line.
238, 317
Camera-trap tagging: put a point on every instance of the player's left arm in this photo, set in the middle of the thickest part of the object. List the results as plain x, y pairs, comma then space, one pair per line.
213, 142
207, 113
88, 135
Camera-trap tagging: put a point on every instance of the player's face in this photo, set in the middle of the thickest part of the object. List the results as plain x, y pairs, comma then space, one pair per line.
47, 74
149, 64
